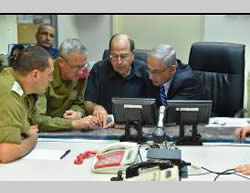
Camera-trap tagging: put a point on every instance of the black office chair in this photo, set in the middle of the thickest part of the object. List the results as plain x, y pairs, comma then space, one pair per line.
221, 68
139, 55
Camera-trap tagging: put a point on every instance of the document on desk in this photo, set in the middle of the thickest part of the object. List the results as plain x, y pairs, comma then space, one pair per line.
228, 122
46, 154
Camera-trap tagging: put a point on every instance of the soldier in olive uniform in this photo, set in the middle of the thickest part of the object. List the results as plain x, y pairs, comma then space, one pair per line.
63, 106
18, 88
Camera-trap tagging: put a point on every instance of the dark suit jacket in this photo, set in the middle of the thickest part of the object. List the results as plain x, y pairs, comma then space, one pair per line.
184, 86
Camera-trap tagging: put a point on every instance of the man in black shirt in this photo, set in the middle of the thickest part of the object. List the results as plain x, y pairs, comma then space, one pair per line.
120, 75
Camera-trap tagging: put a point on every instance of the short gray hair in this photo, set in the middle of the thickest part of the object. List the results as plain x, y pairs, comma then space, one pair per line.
166, 53
72, 45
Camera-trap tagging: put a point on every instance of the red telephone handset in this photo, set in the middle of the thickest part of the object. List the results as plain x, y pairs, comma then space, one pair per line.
114, 157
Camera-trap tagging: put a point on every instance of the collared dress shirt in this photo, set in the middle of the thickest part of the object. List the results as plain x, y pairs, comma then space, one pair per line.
54, 53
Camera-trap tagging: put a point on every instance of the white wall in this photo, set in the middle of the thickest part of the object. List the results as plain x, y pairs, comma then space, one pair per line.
179, 31
229, 28
8, 32
94, 30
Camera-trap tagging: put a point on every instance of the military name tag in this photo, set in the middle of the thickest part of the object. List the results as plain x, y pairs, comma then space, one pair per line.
17, 88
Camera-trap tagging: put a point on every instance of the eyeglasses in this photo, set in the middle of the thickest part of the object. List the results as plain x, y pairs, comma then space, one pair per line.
123, 57
76, 69
157, 72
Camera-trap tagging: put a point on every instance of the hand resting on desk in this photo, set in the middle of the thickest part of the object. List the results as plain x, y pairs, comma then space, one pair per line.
99, 118
244, 169
87, 122
104, 119
241, 133
69, 114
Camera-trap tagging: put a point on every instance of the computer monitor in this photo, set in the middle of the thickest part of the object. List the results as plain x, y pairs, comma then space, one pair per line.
10, 46
188, 112
135, 112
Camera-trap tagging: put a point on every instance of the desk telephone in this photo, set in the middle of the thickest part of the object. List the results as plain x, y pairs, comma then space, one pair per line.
115, 157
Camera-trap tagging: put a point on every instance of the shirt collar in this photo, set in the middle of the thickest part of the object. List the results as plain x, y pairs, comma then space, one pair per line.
167, 84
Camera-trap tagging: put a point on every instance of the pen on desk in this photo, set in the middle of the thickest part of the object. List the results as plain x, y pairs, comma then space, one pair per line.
66, 153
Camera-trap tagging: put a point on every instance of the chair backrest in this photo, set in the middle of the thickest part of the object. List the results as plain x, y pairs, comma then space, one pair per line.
139, 55
221, 67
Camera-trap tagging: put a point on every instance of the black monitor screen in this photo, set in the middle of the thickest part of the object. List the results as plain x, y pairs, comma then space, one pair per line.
10, 46
188, 112
127, 110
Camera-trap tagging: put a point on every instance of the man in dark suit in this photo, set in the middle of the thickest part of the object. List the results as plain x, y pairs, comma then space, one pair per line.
169, 79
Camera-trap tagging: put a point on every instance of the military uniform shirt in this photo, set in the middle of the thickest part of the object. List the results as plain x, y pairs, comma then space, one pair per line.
16, 108
60, 96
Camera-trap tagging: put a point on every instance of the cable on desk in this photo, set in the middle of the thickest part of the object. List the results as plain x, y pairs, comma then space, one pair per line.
218, 173
139, 153
224, 173
172, 144
199, 174
237, 174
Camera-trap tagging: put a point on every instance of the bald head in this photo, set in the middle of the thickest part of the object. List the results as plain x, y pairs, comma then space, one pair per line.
122, 38
121, 48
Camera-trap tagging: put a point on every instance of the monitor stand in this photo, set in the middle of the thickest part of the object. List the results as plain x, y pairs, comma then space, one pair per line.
195, 139
139, 138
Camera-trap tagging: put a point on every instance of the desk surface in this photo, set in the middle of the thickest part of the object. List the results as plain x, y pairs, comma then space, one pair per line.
214, 156
208, 134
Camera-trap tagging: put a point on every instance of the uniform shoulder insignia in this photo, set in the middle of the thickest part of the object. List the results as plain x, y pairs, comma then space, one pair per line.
17, 88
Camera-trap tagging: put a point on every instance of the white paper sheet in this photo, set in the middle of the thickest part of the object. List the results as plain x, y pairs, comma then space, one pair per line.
47, 154
228, 122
